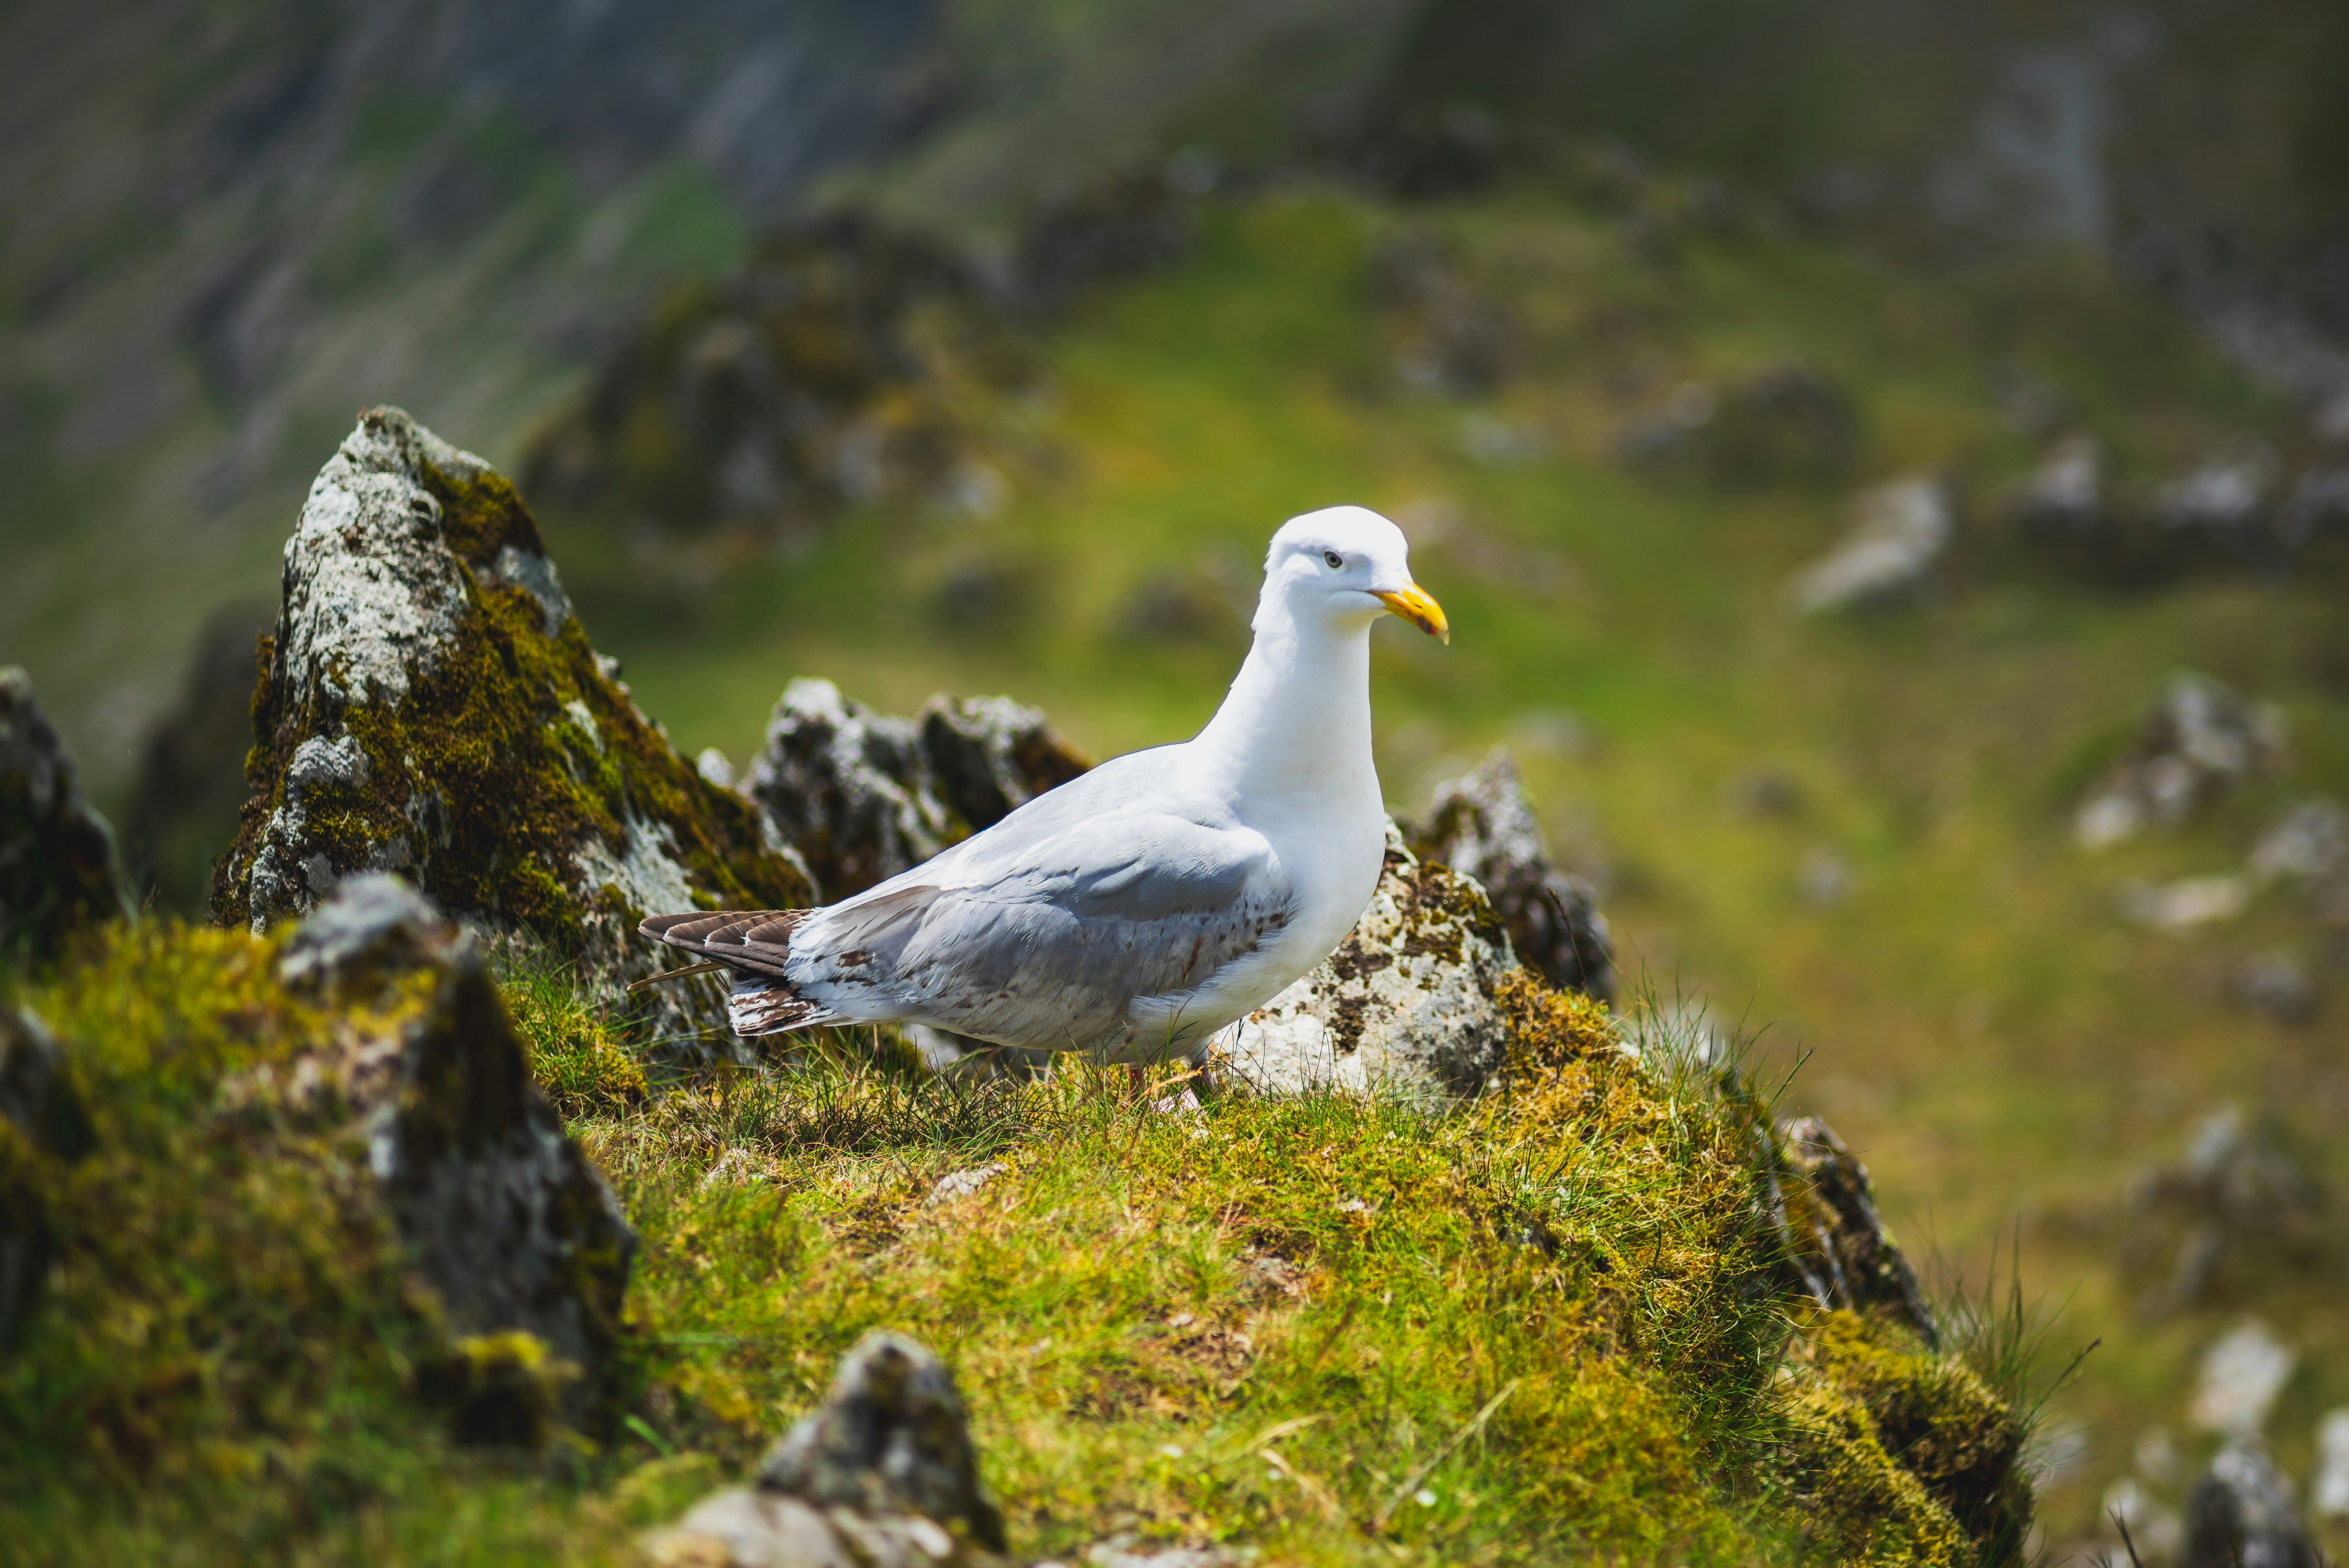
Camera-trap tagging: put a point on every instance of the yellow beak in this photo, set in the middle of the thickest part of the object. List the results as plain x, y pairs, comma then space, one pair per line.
1415, 606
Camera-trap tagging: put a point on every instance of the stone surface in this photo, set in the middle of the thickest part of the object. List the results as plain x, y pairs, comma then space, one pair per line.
1484, 826
2329, 1485
40, 1118
1890, 558
2310, 840
1818, 1195
2198, 740
2243, 1372
431, 706
2237, 1206
2062, 501
58, 871
513, 1226
863, 796
890, 1437
2218, 510
881, 1475
2242, 1514
1404, 1008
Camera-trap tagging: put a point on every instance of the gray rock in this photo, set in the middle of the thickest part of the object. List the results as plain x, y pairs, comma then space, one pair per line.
883, 1475
2329, 1487
1405, 1008
2062, 501
1484, 826
1837, 1246
58, 872
39, 1102
512, 1225
2310, 840
2243, 1372
863, 796
2242, 1514
890, 1438
1890, 558
2275, 984
2239, 1200
2220, 507
431, 707
2200, 739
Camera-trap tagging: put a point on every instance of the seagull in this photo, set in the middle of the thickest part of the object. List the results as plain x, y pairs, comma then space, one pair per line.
1139, 909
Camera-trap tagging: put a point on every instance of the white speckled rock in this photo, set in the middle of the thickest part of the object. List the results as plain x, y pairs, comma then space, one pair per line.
433, 707
1405, 1008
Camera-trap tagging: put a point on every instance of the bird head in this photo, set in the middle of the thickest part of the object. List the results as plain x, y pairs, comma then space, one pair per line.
1347, 565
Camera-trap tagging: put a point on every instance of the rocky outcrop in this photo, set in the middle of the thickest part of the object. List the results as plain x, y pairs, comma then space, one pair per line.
882, 1472
58, 871
514, 1227
2062, 503
1406, 1005
317, 1161
2200, 739
2243, 1514
1484, 826
863, 796
1819, 1196
1891, 558
820, 375
2236, 1207
432, 706
2218, 512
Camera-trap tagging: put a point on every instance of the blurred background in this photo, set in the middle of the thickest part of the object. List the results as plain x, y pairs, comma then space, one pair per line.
1888, 465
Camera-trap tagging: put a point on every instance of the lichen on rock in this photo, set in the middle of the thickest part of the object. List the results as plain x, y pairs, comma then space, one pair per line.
299, 1196
1484, 826
431, 706
863, 796
883, 1471
1405, 1007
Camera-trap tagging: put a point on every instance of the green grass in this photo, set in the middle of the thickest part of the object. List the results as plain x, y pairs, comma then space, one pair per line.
1542, 1326
1980, 1023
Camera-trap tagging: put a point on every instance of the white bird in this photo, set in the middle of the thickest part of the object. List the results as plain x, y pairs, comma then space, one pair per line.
1137, 910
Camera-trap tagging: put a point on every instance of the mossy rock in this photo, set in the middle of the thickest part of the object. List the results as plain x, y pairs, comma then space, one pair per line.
432, 706
301, 1210
1909, 1455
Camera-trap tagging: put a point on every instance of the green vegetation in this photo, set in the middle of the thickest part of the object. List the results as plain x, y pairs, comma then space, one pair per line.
1547, 1324
1979, 1022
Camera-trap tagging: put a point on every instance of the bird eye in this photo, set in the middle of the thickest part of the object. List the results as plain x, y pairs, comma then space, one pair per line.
1335, 559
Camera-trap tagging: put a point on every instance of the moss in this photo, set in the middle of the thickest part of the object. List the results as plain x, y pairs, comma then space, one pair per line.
223, 1298
1906, 1449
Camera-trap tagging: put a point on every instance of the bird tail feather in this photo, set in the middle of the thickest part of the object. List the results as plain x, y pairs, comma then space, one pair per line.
755, 944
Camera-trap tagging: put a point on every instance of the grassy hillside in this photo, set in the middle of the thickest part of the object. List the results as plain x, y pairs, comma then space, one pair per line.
1973, 1013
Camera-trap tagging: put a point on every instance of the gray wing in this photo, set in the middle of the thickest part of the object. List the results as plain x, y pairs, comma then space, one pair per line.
1046, 936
